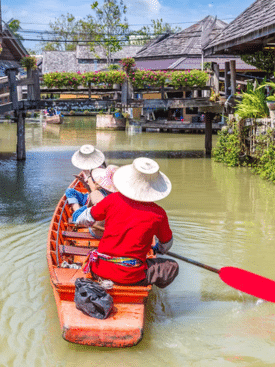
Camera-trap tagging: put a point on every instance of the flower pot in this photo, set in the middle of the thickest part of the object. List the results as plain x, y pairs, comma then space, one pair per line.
271, 105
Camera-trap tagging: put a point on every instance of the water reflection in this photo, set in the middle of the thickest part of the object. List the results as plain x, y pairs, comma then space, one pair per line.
219, 216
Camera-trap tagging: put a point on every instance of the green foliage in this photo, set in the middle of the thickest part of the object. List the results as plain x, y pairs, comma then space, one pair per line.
113, 67
190, 78
104, 78
156, 28
72, 112
206, 65
109, 26
140, 78
128, 63
143, 78
14, 26
228, 147
253, 103
265, 164
67, 29
29, 62
86, 112
65, 79
263, 60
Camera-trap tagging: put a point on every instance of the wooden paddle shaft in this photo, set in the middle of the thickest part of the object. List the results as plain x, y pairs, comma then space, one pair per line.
190, 261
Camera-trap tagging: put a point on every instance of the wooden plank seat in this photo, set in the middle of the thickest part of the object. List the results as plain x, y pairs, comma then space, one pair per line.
75, 250
77, 235
72, 224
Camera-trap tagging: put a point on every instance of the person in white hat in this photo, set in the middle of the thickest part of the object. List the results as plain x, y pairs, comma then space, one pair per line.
132, 219
89, 160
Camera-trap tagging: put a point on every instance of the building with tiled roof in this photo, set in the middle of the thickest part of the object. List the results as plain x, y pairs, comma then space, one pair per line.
83, 58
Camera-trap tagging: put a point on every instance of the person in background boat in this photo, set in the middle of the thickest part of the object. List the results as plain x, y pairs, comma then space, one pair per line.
132, 219
98, 181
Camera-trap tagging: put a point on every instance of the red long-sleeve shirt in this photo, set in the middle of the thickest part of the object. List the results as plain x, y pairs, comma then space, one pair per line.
129, 229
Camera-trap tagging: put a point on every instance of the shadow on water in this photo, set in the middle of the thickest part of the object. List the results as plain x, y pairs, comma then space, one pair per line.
128, 154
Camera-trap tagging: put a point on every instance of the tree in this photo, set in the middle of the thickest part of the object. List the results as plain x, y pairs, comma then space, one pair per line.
66, 32
263, 60
110, 30
156, 28
14, 26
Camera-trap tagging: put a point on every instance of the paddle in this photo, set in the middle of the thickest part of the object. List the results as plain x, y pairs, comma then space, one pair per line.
240, 279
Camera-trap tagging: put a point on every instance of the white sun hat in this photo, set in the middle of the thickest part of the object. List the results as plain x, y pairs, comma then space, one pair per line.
142, 181
104, 177
88, 157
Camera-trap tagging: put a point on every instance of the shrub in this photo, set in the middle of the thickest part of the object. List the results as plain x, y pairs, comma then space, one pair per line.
228, 147
253, 103
86, 112
72, 112
142, 78
189, 78
64, 79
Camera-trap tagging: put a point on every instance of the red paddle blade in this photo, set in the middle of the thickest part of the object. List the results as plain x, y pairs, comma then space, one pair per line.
248, 282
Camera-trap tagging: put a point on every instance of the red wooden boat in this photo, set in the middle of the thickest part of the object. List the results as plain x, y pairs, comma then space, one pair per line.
124, 327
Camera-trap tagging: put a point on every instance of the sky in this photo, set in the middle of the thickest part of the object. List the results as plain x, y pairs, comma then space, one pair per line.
36, 14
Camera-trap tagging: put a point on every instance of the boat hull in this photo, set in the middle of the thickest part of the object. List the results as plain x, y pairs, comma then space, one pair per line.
124, 326
56, 119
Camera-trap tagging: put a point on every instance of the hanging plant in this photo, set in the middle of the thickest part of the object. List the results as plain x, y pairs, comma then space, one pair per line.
128, 63
29, 62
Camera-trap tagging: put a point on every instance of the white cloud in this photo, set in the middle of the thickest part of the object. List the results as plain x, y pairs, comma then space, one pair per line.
210, 5
154, 5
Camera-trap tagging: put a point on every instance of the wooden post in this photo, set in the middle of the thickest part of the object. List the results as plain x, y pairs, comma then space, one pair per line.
11, 73
90, 92
36, 85
233, 76
216, 76
226, 79
208, 134
30, 94
124, 93
21, 146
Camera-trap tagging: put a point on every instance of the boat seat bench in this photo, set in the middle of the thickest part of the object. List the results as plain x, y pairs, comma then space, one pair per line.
75, 250
77, 235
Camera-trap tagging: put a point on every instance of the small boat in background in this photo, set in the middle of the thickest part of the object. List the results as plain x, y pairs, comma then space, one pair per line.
68, 244
55, 119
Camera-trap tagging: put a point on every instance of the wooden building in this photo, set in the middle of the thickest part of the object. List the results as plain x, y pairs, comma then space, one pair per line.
183, 51
253, 30
12, 52
83, 59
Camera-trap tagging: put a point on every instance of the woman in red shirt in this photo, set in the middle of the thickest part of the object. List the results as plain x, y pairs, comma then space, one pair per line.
132, 219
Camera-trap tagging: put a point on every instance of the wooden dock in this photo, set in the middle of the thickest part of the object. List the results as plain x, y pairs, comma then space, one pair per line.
177, 127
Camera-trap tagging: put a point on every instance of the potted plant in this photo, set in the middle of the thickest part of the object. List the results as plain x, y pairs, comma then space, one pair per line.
29, 62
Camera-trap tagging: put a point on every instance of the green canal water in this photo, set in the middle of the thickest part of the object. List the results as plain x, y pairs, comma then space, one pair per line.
219, 216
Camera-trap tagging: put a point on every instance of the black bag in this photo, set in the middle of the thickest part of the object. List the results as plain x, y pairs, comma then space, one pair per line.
92, 299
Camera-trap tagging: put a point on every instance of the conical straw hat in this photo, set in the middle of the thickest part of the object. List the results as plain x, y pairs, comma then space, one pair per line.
104, 177
142, 181
88, 157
